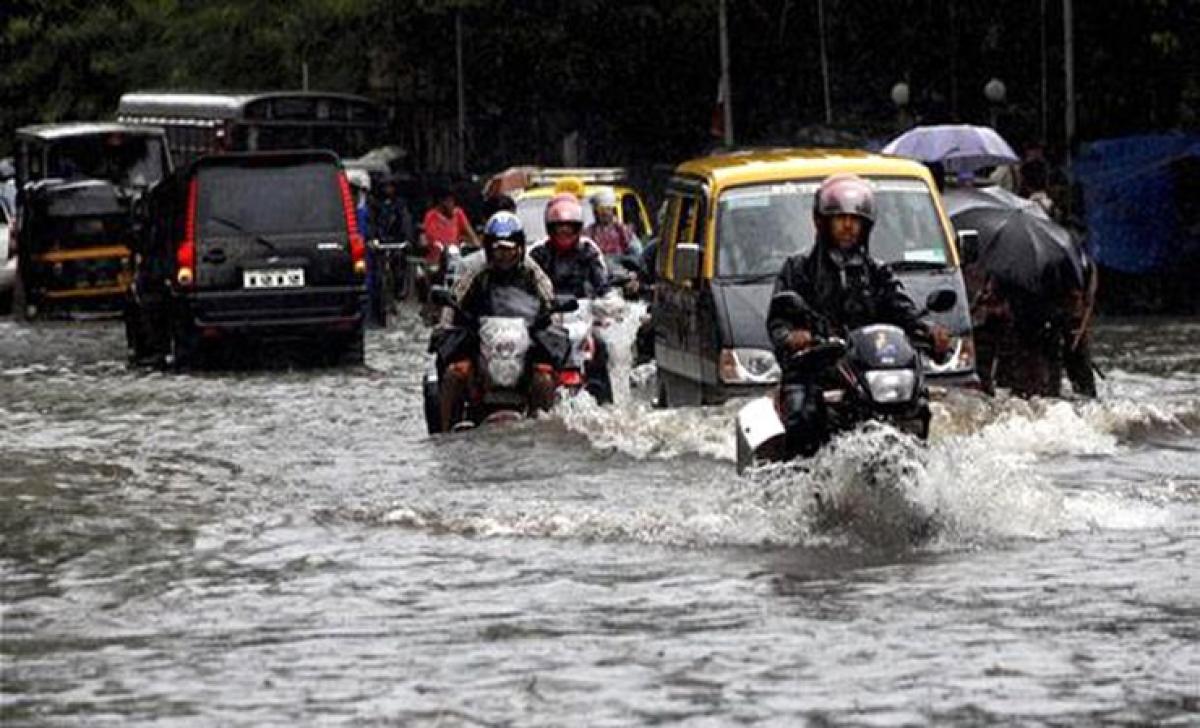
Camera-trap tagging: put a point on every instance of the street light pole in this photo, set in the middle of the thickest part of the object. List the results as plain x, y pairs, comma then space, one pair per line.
996, 93
1069, 69
824, 62
462, 97
726, 89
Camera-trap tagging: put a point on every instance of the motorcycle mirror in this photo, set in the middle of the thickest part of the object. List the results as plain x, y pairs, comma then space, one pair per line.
941, 300
565, 304
440, 295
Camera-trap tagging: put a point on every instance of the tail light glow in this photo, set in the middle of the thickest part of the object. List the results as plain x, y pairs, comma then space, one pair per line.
358, 249
185, 253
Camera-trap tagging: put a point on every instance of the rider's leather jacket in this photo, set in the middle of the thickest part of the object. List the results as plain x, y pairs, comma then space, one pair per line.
580, 271
476, 290
840, 295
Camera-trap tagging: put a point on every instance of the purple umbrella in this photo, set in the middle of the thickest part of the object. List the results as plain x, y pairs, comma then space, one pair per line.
959, 147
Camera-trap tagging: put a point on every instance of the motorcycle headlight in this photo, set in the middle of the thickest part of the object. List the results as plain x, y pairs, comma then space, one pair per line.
749, 366
891, 385
505, 372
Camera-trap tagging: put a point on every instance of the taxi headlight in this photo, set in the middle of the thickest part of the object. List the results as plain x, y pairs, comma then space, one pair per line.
749, 366
962, 357
891, 385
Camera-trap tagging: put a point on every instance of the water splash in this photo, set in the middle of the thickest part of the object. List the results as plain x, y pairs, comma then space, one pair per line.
619, 334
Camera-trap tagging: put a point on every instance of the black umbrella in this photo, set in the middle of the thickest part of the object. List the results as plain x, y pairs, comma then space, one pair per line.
1018, 243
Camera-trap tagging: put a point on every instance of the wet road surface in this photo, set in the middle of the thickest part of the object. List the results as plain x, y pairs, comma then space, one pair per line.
289, 548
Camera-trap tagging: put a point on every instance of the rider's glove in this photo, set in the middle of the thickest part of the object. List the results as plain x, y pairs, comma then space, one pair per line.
799, 339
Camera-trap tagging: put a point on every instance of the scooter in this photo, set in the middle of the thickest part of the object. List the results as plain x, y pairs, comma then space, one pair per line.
587, 367
874, 373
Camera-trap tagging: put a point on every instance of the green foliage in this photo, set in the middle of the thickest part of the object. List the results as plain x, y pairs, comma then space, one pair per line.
638, 79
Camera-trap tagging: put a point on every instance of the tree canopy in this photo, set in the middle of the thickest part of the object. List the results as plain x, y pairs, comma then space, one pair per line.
637, 80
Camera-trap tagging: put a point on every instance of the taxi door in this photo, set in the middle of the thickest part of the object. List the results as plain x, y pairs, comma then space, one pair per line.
679, 307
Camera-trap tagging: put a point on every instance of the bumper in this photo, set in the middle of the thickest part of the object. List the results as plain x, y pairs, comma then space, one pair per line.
952, 380
8, 275
721, 393
83, 275
300, 313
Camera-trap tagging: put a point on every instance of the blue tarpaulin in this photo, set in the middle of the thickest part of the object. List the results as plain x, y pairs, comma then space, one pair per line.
1139, 197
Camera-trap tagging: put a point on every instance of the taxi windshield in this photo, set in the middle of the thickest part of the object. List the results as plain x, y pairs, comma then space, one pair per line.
760, 226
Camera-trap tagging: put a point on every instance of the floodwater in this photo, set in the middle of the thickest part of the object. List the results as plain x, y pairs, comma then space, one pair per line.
290, 548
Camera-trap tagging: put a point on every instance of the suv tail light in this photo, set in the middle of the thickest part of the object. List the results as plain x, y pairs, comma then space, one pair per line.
358, 249
185, 254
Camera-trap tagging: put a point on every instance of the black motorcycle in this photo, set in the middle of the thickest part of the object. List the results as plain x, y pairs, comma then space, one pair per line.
500, 390
875, 373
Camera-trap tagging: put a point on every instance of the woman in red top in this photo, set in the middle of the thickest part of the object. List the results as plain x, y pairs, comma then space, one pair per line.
445, 224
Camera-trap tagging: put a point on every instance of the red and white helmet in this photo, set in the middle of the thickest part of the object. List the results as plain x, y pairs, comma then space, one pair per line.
564, 208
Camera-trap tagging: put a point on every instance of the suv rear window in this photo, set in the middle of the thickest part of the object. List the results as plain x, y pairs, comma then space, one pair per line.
299, 198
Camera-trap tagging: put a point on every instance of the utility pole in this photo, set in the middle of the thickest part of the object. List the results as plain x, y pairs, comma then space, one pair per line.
727, 106
824, 62
1045, 125
462, 96
1069, 67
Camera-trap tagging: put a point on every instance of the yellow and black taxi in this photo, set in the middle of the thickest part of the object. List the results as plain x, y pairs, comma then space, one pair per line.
534, 186
732, 220
77, 188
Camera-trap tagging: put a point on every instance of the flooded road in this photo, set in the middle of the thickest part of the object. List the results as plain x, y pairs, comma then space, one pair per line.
289, 548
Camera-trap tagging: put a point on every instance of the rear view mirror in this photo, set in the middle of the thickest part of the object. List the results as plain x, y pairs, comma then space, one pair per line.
440, 295
968, 246
687, 262
941, 300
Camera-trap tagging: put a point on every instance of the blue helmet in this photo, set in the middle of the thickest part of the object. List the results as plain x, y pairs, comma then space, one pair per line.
503, 228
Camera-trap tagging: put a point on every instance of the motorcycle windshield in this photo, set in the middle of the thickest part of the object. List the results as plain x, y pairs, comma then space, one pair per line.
513, 302
503, 343
880, 346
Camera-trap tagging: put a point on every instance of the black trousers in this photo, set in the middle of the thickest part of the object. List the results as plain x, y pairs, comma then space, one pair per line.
805, 418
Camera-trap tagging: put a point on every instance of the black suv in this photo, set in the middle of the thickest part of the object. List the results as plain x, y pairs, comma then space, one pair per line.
245, 248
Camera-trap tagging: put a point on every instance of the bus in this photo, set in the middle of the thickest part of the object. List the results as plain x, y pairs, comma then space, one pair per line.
209, 123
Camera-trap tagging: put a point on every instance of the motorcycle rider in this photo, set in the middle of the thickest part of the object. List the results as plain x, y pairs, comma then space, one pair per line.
575, 266
843, 288
572, 261
457, 343
616, 240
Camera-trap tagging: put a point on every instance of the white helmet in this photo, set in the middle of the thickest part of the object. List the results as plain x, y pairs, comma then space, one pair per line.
605, 197
359, 179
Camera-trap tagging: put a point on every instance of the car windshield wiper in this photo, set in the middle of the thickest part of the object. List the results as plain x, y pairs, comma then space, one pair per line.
905, 265
258, 238
752, 277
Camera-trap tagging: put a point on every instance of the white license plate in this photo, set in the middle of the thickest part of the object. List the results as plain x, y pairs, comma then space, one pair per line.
274, 278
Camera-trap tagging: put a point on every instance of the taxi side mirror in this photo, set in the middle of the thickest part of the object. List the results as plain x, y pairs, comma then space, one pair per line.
687, 262
941, 300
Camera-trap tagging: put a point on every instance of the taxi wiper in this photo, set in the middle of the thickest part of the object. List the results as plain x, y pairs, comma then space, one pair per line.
906, 265
258, 237
753, 277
